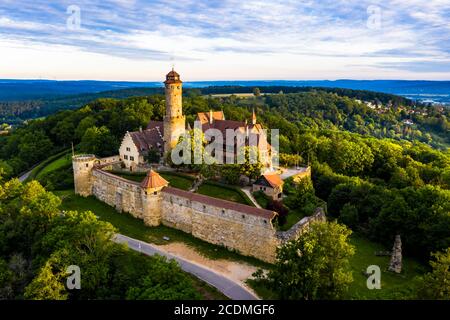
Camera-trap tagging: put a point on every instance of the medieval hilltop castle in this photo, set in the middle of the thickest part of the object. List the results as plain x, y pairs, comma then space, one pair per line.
163, 136
244, 228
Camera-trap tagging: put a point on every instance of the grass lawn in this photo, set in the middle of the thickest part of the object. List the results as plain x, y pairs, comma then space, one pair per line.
185, 182
261, 198
55, 165
207, 291
131, 176
135, 228
221, 192
178, 181
37, 169
292, 218
393, 286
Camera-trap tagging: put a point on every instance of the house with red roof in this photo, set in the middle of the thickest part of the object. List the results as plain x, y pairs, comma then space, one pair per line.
271, 184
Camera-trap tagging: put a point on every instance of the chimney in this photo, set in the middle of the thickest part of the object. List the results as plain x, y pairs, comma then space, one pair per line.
210, 116
253, 117
140, 128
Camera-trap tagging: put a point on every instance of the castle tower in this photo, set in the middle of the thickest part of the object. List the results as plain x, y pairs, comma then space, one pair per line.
151, 198
82, 173
174, 121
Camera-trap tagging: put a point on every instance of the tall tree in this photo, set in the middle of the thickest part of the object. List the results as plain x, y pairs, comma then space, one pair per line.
48, 285
436, 284
315, 266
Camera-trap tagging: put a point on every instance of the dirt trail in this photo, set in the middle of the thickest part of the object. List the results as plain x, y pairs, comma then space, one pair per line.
238, 271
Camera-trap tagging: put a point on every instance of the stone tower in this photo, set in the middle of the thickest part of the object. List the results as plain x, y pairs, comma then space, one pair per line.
152, 198
174, 121
82, 173
396, 258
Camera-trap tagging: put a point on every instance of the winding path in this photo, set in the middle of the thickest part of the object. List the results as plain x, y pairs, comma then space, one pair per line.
248, 192
25, 176
228, 287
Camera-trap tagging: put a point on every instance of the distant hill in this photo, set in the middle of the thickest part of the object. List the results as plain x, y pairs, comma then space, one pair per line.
15, 111
28, 99
20, 90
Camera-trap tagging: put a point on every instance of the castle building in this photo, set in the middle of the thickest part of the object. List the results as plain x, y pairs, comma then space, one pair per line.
246, 135
236, 226
271, 184
163, 136
247, 229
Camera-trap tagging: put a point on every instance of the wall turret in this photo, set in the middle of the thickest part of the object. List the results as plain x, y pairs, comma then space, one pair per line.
151, 198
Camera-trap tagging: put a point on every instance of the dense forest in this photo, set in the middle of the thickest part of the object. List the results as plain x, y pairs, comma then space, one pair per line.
14, 112
38, 243
377, 174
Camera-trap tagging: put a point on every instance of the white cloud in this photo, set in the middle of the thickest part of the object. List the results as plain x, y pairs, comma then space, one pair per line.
231, 39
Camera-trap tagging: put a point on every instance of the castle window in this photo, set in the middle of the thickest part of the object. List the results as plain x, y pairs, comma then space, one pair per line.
243, 216
87, 165
223, 211
171, 200
125, 157
204, 208
131, 158
155, 193
265, 221
128, 149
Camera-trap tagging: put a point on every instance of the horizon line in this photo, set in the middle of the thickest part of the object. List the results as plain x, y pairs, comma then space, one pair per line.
234, 80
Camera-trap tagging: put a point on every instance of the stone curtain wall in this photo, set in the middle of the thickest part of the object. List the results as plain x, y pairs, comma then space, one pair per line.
249, 234
122, 194
109, 160
297, 229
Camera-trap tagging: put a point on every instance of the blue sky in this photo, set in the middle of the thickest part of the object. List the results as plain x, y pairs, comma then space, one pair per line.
225, 40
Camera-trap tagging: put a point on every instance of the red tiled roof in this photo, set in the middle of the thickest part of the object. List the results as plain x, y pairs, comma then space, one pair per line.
273, 179
148, 139
153, 124
222, 125
153, 180
204, 117
221, 203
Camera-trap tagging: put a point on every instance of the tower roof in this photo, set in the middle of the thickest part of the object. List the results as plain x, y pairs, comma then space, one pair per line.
153, 180
172, 77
